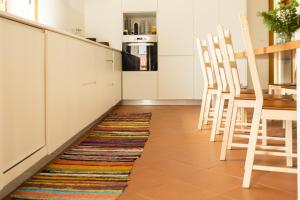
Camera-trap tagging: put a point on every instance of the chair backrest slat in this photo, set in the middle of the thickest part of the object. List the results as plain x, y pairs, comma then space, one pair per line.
217, 62
251, 57
229, 59
228, 69
205, 62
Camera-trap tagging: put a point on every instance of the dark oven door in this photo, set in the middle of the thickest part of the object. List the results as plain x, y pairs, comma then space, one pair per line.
140, 56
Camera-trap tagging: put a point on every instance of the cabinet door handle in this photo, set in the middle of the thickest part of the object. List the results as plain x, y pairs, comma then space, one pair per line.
112, 61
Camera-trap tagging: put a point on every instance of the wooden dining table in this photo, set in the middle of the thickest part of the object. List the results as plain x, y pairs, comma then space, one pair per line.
275, 58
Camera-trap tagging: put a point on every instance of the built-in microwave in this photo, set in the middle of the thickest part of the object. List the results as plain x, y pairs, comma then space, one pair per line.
139, 53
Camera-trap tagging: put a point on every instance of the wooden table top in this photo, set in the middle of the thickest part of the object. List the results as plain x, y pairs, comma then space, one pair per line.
272, 49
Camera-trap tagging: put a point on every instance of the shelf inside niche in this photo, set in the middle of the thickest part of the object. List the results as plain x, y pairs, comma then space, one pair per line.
146, 23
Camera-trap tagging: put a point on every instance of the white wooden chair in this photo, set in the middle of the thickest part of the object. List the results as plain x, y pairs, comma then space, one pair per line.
210, 86
279, 109
223, 90
238, 100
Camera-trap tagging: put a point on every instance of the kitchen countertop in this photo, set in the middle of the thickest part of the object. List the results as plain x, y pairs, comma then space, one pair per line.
21, 20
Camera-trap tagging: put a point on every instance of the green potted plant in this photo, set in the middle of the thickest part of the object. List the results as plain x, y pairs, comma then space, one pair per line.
283, 20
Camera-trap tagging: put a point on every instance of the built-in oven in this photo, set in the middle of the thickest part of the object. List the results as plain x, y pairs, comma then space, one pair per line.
139, 53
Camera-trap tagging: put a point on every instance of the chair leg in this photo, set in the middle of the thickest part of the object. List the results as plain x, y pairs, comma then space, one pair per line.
289, 143
232, 126
220, 115
251, 148
264, 132
216, 118
243, 117
226, 130
207, 107
201, 117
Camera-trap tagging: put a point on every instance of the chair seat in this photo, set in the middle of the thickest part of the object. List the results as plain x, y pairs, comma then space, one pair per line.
284, 85
214, 87
246, 91
266, 96
279, 104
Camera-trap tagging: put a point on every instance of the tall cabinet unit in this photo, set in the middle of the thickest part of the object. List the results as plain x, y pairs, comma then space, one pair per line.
103, 21
134, 6
22, 95
176, 49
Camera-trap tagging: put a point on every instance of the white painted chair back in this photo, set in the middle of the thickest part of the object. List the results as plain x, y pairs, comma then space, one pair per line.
251, 58
229, 60
205, 62
217, 62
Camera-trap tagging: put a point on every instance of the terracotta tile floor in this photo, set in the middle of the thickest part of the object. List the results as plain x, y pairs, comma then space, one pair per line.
179, 163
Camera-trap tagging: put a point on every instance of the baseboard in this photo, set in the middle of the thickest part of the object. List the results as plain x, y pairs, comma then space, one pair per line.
9, 188
188, 102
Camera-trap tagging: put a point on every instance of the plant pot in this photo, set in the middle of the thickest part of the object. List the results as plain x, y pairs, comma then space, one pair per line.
284, 38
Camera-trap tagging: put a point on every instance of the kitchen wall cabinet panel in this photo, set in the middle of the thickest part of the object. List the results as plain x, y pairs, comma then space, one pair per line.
22, 88
175, 27
176, 77
205, 21
140, 85
230, 20
104, 21
133, 6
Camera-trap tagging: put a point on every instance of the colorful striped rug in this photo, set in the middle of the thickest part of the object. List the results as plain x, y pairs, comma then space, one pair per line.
96, 168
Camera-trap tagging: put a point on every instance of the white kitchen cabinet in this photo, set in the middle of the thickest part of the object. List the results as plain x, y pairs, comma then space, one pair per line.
175, 27
117, 95
80, 86
22, 99
205, 21
71, 81
228, 17
135, 6
105, 78
139, 85
104, 21
176, 77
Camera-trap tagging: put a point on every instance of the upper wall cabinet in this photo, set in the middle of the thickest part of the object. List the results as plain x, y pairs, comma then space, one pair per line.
175, 23
104, 21
130, 6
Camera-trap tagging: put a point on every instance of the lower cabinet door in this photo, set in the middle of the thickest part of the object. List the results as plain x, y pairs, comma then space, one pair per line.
139, 85
22, 91
176, 77
117, 87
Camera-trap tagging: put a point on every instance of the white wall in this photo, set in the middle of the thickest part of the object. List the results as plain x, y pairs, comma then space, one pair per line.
260, 38
21, 8
104, 21
66, 15
209, 14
